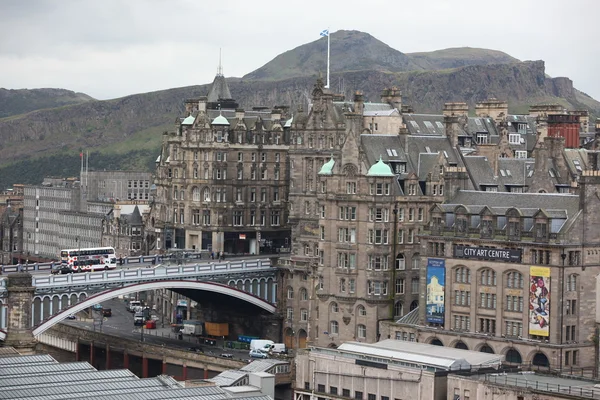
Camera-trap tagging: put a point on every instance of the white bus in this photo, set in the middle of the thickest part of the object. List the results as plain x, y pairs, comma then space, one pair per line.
90, 259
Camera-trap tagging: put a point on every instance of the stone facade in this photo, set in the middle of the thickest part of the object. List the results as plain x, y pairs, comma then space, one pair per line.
221, 179
19, 329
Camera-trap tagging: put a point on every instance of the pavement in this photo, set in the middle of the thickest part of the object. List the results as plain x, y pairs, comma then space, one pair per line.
121, 324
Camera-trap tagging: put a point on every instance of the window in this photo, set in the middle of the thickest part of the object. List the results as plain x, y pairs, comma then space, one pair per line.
571, 307
572, 283
352, 285
514, 280
333, 390
206, 217
414, 285
462, 275
400, 286
334, 328
290, 313
290, 292
358, 395
350, 187
514, 138
514, 303
420, 214
304, 315
462, 298
361, 331
334, 307
462, 323
400, 262
487, 300
513, 328
488, 277
238, 218
346, 392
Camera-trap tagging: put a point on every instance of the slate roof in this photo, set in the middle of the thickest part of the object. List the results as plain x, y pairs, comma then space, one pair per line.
412, 318
503, 200
262, 365
425, 124
375, 146
219, 89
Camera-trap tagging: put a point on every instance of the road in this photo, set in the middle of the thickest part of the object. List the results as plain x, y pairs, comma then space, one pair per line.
168, 262
121, 324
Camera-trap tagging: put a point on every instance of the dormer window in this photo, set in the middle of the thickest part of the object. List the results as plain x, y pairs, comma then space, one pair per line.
541, 231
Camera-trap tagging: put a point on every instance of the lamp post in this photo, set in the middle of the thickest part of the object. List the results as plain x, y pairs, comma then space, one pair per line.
563, 256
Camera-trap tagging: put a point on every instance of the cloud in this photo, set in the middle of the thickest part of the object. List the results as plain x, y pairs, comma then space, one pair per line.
112, 48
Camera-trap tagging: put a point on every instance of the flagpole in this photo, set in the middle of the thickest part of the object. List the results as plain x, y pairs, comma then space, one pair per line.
328, 34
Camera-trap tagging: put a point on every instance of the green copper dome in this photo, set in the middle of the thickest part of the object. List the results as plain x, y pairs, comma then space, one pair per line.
188, 121
327, 168
220, 120
380, 169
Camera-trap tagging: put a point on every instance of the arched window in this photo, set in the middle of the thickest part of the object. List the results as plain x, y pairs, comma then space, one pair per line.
414, 305
182, 195
303, 294
416, 261
361, 311
175, 192
398, 309
514, 280
437, 342
195, 193
334, 307
486, 349
206, 194
488, 277
334, 328
461, 345
540, 360
290, 292
513, 356
361, 331
400, 262
462, 275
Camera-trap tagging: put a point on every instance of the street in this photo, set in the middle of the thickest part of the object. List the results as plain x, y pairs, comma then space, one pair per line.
121, 324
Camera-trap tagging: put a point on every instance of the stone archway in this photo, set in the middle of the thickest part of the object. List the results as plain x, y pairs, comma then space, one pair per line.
460, 345
513, 357
436, 342
486, 349
540, 360
302, 335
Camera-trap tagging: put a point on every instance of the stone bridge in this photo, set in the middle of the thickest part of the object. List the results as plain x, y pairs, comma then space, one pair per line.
45, 300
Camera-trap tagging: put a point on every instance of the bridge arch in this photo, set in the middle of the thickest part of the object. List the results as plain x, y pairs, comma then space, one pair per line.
140, 287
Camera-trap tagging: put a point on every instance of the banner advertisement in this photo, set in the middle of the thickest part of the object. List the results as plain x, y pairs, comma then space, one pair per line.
436, 282
539, 301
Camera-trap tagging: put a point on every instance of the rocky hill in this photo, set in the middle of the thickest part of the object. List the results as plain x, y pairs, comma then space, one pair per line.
127, 132
21, 101
358, 51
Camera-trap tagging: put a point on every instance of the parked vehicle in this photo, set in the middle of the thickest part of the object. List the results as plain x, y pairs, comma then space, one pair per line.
192, 328
72, 316
226, 355
132, 306
257, 354
261, 344
278, 348
97, 306
107, 312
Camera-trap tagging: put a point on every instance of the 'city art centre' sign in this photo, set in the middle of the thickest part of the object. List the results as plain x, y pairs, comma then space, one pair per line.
487, 253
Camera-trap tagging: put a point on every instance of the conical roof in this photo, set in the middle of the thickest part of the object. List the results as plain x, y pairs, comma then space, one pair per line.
327, 168
380, 169
219, 90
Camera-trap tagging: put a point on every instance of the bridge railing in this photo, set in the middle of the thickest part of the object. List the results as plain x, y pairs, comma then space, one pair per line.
140, 274
185, 257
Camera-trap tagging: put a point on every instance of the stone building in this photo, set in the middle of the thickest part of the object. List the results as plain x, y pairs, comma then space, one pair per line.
123, 228
11, 234
221, 178
114, 186
519, 272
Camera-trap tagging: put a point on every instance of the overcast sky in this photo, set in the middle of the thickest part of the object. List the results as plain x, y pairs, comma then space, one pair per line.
113, 48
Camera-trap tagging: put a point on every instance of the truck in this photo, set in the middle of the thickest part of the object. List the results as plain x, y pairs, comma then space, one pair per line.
138, 319
192, 328
219, 329
263, 345
134, 306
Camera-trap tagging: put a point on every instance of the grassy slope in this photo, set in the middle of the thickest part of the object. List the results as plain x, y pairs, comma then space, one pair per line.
21, 101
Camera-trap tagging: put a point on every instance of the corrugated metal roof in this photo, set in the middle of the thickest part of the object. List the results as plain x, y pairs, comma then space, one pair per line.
26, 360
262, 365
46, 369
8, 351
82, 377
203, 393
228, 378
75, 389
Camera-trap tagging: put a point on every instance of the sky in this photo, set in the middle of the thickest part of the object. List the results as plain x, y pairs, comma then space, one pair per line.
113, 48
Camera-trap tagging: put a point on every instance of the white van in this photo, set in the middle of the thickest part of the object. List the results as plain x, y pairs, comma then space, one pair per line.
278, 348
261, 345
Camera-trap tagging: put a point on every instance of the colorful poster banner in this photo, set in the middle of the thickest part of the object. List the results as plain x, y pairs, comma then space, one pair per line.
436, 282
539, 301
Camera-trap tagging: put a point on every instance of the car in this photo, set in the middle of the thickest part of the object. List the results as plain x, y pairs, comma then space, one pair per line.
226, 355
71, 316
62, 269
97, 306
196, 349
257, 354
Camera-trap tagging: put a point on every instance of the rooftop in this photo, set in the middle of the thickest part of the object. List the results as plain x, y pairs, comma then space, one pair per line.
546, 383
